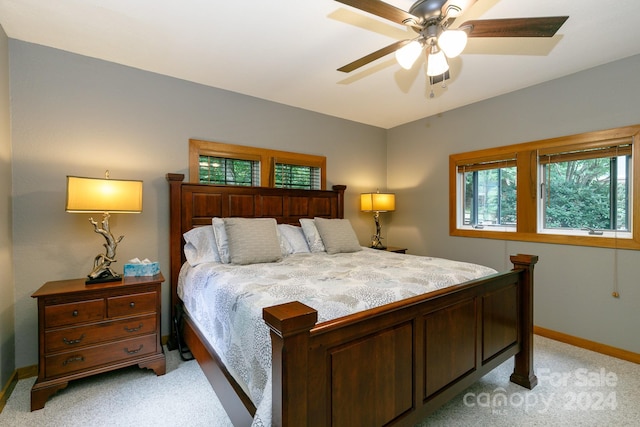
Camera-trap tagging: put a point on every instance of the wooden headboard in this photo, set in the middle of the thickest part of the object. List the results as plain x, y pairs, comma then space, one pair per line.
192, 205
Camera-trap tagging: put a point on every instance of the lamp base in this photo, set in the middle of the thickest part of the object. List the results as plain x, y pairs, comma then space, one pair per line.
379, 246
104, 278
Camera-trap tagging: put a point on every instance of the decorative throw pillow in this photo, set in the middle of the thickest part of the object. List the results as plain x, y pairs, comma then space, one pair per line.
222, 243
337, 235
311, 235
200, 246
294, 238
252, 240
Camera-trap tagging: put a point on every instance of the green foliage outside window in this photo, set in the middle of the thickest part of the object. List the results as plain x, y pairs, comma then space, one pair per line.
224, 171
587, 193
295, 176
490, 197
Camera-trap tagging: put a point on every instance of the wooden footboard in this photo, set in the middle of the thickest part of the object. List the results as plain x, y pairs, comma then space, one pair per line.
396, 364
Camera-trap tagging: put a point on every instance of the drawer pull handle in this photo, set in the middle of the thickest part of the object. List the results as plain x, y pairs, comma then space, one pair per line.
73, 359
133, 329
71, 342
132, 304
133, 351
75, 313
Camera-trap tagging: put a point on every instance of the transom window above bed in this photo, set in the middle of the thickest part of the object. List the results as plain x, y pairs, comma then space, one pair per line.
302, 177
226, 171
578, 190
228, 164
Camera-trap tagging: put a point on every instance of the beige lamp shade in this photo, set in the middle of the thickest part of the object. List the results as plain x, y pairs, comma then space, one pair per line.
377, 202
103, 195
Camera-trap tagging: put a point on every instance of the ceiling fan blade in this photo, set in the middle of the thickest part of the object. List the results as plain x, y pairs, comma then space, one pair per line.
383, 10
515, 27
373, 56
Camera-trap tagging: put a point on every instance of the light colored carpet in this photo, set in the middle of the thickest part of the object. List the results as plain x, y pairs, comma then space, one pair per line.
576, 388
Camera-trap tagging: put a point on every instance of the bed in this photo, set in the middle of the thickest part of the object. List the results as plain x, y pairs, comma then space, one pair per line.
392, 364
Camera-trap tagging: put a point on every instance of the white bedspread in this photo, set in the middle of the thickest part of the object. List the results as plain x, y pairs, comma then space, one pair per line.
226, 300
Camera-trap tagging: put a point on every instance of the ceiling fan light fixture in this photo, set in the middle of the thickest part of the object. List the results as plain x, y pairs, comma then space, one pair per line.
408, 54
436, 62
455, 8
452, 42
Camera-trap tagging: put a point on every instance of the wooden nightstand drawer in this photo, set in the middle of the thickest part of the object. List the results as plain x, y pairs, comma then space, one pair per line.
129, 305
70, 338
73, 313
90, 357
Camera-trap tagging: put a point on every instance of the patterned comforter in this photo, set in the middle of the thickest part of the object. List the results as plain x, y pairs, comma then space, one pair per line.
226, 300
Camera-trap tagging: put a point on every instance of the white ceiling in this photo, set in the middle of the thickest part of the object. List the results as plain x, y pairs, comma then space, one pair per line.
288, 51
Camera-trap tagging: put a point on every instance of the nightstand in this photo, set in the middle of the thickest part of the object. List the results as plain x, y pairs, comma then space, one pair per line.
89, 329
394, 249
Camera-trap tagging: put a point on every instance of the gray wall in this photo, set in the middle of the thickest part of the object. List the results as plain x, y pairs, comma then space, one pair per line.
73, 115
76, 115
573, 284
7, 342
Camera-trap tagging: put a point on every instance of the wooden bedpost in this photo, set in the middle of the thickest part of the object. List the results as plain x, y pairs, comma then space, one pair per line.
290, 324
523, 373
175, 246
340, 190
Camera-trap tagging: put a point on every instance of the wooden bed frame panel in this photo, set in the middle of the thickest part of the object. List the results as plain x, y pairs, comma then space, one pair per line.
391, 365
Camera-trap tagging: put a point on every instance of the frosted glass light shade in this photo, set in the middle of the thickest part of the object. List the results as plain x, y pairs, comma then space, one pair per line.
452, 42
377, 202
103, 195
436, 63
407, 54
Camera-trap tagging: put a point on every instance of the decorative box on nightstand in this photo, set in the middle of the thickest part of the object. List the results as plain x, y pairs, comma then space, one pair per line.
89, 329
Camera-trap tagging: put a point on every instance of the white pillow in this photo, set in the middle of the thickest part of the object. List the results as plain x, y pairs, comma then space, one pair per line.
294, 239
200, 246
253, 240
311, 235
222, 243
337, 235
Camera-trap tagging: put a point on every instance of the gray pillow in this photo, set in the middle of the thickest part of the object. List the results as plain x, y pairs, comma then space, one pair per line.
337, 235
252, 240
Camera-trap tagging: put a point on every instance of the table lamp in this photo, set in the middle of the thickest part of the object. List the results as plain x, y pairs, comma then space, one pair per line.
377, 202
106, 196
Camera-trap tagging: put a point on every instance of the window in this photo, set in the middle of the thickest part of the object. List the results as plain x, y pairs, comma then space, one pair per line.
489, 195
224, 171
586, 190
578, 189
297, 176
227, 164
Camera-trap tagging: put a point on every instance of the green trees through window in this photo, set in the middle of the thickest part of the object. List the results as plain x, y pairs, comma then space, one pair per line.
592, 193
579, 189
227, 164
490, 197
223, 171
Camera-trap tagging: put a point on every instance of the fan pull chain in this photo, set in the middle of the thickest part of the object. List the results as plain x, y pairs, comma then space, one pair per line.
615, 292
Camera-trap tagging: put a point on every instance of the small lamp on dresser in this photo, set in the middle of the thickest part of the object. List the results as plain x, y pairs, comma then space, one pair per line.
105, 196
377, 202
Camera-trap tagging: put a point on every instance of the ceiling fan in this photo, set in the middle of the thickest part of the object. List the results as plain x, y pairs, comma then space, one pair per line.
431, 19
